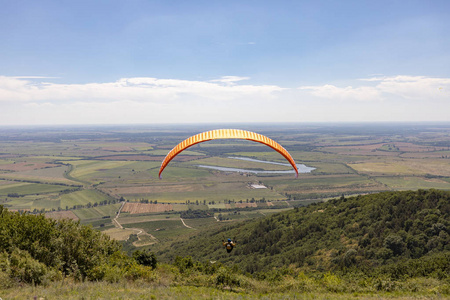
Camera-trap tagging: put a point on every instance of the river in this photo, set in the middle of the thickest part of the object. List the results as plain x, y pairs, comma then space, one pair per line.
301, 167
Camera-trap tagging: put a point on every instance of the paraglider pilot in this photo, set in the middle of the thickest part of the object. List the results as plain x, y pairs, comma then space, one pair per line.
229, 245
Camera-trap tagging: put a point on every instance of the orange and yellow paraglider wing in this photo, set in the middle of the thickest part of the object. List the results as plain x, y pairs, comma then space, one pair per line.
272, 144
199, 138
226, 134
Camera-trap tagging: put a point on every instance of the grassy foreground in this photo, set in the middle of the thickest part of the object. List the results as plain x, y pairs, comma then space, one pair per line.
185, 281
144, 290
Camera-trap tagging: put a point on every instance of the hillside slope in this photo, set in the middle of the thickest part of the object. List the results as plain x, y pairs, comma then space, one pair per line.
367, 233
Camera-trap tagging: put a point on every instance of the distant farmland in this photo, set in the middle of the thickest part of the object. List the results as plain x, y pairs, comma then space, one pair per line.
88, 173
140, 208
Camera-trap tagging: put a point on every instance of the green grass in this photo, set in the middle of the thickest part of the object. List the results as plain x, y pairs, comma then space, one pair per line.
197, 207
201, 222
217, 205
179, 207
330, 168
23, 188
126, 219
321, 182
89, 170
82, 197
300, 157
237, 163
21, 202
162, 230
164, 153
414, 183
302, 202
107, 223
174, 172
158, 288
11, 186
46, 203
44, 175
128, 172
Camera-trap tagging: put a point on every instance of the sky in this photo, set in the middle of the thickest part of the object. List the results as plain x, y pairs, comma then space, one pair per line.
170, 61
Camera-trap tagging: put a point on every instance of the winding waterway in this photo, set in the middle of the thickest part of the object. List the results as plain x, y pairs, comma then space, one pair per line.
301, 167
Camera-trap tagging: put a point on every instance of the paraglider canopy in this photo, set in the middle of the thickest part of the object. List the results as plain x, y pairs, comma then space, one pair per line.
226, 134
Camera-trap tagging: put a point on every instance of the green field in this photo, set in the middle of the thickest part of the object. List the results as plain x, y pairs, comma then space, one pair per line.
163, 230
93, 170
201, 223
23, 189
164, 153
127, 218
82, 197
102, 224
310, 184
414, 183
22, 203
236, 163
214, 192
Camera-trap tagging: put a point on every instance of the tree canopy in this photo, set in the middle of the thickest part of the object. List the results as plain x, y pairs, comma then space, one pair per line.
367, 232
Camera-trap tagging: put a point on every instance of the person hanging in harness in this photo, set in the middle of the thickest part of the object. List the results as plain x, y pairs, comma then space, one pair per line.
229, 245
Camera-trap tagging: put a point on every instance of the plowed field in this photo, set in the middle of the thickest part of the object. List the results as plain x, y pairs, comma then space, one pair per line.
142, 208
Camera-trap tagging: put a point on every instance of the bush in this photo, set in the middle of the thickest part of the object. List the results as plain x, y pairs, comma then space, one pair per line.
38, 247
332, 283
225, 277
136, 271
26, 269
145, 258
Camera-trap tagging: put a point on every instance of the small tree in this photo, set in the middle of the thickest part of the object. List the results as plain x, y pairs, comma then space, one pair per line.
145, 258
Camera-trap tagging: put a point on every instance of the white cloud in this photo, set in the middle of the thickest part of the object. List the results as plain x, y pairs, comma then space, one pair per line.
395, 88
153, 100
135, 89
419, 88
364, 93
230, 79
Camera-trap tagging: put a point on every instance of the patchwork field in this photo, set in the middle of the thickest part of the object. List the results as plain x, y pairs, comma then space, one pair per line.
87, 174
202, 189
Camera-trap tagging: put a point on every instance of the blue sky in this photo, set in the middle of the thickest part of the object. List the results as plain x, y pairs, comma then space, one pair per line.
113, 62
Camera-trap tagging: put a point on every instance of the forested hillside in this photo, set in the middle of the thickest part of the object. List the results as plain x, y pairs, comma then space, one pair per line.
393, 241
400, 233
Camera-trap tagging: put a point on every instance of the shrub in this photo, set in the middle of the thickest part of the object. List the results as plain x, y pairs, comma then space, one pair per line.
145, 258
26, 269
226, 277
